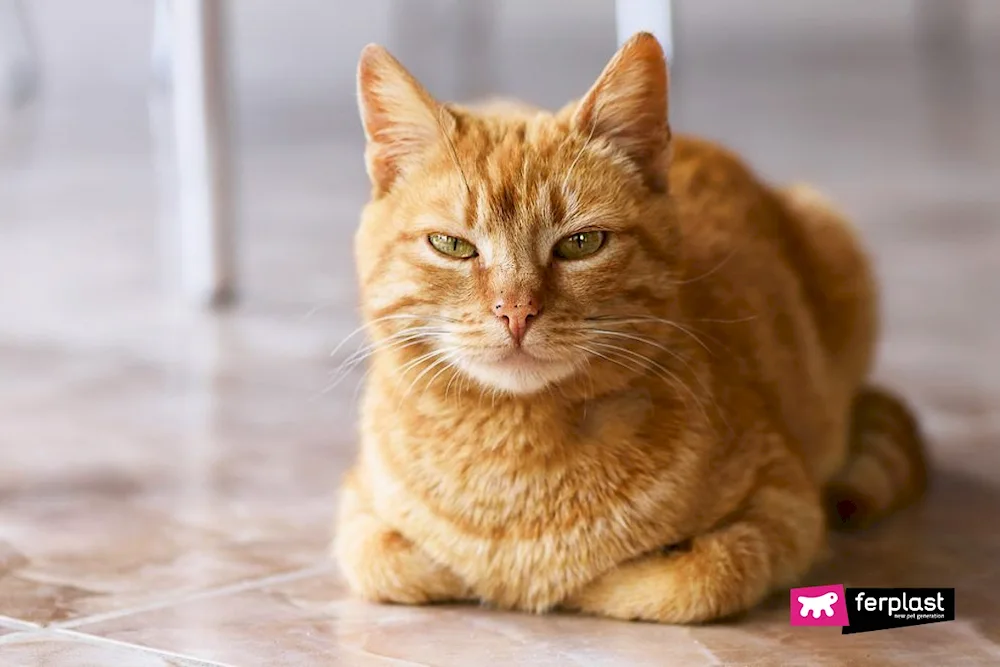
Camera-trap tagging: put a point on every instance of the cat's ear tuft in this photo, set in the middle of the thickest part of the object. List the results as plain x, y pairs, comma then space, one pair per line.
400, 118
628, 107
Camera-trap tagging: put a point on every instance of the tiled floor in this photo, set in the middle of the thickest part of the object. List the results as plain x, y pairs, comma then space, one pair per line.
167, 477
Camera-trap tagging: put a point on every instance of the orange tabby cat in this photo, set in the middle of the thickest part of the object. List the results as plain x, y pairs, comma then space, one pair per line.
612, 370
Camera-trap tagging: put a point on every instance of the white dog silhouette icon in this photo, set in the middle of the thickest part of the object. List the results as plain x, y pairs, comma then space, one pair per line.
817, 604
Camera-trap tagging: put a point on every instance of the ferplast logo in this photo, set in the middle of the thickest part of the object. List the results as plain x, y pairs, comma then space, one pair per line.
903, 606
884, 608
868, 609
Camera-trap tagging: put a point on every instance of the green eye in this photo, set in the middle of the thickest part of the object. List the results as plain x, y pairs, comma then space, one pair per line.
579, 245
452, 246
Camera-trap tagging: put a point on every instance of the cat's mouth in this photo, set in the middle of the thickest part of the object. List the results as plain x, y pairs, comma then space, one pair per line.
518, 357
518, 370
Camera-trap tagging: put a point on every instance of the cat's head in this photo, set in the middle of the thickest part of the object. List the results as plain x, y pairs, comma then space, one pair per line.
503, 242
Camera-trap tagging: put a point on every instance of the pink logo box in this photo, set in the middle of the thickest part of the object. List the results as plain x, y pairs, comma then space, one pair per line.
818, 605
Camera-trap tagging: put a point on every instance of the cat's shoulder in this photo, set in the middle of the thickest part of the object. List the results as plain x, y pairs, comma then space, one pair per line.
699, 159
708, 180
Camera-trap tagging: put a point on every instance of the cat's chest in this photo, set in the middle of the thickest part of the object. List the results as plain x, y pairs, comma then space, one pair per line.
527, 533
538, 549
527, 472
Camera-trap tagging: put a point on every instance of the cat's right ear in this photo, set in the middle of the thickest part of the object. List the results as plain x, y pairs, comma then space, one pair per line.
628, 107
401, 119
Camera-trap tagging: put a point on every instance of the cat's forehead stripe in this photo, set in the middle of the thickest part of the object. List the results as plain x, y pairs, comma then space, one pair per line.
499, 204
482, 207
505, 201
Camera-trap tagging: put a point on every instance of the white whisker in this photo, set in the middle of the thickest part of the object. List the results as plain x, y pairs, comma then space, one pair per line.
609, 359
640, 339
645, 319
718, 266
384, 318
658, 370
646, 341
748, 318
398, 341
442, 358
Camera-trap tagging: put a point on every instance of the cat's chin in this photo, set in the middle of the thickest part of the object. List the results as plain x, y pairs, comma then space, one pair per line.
518, 373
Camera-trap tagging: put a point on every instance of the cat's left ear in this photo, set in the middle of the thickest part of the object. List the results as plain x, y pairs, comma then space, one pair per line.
628, 107
401, 119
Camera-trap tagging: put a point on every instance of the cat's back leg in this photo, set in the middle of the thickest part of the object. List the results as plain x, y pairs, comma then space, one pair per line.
839, 283
839, 287
884, 466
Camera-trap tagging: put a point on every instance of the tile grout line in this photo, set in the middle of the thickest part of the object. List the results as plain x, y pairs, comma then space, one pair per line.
9, 639
12, 623
96, 639
229, 589
703, 649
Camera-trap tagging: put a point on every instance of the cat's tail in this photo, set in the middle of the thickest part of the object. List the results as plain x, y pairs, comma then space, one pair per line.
886, 467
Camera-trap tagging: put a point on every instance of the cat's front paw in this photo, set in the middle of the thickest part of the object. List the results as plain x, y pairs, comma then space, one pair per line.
383, 565
388, 567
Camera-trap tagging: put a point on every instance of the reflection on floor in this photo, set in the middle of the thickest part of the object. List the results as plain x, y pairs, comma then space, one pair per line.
167, 477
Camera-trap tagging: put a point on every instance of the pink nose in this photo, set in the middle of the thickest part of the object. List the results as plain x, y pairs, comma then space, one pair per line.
517, 312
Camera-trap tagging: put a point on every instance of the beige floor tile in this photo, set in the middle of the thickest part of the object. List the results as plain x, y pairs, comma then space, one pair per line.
140, 491
314, 622
46, 649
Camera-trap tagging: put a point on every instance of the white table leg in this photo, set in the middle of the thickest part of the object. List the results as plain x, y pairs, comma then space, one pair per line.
201, 128
655, 16
472, 37
162, 43
943, 27
18, 58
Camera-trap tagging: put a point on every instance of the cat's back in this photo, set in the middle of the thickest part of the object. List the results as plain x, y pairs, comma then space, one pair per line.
781, 294
733, 228
715, 187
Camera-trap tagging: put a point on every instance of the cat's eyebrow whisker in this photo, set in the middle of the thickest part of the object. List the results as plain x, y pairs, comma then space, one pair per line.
583, 148
452, 150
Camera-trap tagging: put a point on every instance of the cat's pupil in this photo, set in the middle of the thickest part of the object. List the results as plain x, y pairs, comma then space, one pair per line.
454, 245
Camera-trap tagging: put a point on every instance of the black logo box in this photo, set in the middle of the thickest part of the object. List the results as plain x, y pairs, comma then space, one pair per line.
870, 609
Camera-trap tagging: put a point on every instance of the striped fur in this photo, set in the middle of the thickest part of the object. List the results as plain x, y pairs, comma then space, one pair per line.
885, 467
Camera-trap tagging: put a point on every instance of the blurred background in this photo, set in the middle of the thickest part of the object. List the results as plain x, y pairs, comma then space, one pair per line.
892, 107
122, 394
